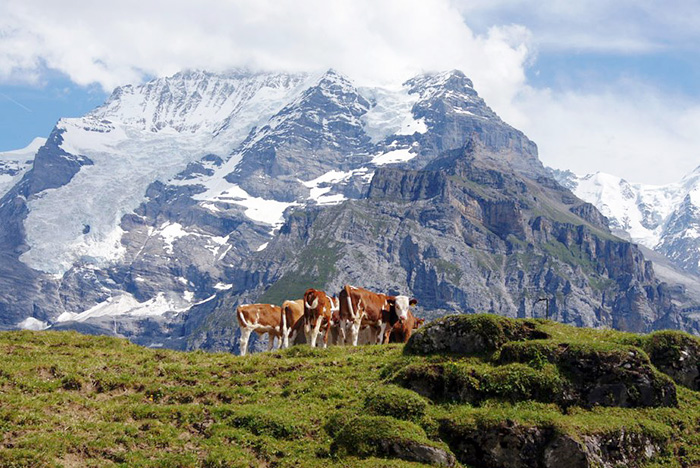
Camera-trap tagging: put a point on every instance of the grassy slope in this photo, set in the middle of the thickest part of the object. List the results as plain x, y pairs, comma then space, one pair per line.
72, 400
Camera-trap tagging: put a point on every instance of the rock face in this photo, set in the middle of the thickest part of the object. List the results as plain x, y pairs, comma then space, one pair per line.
207, 191
511, 445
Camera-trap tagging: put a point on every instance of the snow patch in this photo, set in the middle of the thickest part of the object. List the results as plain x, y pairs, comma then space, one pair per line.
170, 232
124, 305
391, 113
258, 209
392, 157
31, 323
30, 149
262, 247
222, 286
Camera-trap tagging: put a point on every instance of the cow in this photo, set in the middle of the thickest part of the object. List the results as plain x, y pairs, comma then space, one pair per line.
261, 319
318, 308
360, 308
292, 313
400, 331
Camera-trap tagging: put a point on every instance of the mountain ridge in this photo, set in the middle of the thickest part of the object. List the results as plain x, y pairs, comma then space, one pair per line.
665, 218
196, 218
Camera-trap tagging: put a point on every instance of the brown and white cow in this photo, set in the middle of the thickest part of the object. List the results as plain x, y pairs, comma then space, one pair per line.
292, 313
400, 331
360, 308
318, 308
261, 319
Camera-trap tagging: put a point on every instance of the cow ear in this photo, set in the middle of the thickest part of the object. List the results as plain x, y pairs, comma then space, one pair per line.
413, 301
391, 300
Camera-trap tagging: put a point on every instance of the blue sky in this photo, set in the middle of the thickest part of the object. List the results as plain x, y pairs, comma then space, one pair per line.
31, 110
598, 85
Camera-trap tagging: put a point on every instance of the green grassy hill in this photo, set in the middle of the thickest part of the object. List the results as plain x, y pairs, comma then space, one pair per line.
72, 400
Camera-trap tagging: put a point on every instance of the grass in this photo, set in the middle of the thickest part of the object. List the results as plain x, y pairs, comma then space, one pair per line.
73, 400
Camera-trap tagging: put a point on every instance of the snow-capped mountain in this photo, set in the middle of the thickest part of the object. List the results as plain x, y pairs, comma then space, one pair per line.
13, 164
179, 198
665, 218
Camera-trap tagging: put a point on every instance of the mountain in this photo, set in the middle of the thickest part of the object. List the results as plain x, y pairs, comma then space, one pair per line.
665, 218
13, 164
157, 213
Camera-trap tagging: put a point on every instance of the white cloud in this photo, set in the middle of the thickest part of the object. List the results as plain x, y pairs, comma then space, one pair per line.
626, 129
379, 41
370, 40
612, 26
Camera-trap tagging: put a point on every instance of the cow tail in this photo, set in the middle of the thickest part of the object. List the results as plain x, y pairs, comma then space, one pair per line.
241, 319
349, 300
284, 319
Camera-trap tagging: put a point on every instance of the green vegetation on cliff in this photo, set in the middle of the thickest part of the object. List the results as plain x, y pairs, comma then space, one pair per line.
73, 400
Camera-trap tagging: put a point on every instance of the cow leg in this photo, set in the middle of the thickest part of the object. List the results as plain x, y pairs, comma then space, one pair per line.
243, 344
342, 323
355, 333
270, 341
315, 331
325, 336
284, 339
382, 331
308, 330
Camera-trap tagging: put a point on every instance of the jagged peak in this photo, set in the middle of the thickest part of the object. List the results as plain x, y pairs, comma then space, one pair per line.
453, 80
195, 77
332, 79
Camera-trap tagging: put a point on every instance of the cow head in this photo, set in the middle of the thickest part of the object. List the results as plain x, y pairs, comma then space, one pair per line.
402, 305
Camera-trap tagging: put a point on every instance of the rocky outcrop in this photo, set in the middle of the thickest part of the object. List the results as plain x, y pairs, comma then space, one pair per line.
676, 354
386, 437
582, 375
512, 445
470, 335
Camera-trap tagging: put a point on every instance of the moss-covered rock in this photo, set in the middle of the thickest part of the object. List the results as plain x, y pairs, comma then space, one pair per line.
676, 354
470, 334
397, 402
442, 381
535, 353
614, 376
456, 382
517, 382
592, 374
382, 436
510, 444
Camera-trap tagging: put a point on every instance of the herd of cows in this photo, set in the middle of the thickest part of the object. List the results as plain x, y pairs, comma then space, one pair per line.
355, 316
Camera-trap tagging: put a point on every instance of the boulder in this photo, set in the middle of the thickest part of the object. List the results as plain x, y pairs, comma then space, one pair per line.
476, 334
386, 437
509, 444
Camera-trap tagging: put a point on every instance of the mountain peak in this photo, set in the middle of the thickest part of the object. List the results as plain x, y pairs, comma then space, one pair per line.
453, 80
333, 79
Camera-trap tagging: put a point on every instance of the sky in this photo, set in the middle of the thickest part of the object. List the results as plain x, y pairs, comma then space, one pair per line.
599, 85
